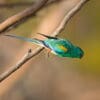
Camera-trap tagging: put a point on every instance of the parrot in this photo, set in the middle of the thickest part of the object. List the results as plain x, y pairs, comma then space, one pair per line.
58, 46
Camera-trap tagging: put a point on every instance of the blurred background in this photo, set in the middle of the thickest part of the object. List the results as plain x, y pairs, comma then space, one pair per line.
54, 78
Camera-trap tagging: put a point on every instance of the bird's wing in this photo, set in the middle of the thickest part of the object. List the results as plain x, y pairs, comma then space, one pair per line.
62, 48
49, 37
56, 45
36, 41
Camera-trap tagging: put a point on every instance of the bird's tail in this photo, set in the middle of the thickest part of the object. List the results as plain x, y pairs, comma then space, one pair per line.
35, 41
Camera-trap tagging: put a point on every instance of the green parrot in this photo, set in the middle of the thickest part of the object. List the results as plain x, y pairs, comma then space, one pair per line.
57, 46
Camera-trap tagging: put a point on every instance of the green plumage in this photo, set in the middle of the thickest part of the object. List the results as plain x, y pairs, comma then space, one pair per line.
60, 47
70, 51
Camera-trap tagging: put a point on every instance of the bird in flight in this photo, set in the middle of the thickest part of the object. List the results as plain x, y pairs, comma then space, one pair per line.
57, 46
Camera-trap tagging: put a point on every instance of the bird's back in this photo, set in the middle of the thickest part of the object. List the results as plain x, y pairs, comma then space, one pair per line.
58, 45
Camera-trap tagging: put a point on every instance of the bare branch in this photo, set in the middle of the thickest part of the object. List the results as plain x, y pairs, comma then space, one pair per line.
29, 55
68, 16
24, 59
12, 21
22, 4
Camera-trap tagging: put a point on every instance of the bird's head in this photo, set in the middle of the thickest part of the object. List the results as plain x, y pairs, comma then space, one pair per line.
78, 52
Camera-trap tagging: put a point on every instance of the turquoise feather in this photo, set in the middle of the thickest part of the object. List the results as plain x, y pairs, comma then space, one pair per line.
60, 47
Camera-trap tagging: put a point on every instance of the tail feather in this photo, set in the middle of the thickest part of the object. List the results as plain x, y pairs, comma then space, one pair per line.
36, 41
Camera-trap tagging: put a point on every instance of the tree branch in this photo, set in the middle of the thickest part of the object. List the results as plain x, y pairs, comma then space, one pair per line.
16, 19
29, 55
24, 59
21, 4
68, 16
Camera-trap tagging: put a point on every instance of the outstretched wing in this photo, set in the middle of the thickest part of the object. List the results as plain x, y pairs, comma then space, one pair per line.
36, 41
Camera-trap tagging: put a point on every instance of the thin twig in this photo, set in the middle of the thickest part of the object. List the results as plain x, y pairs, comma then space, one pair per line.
29, 55
12, 21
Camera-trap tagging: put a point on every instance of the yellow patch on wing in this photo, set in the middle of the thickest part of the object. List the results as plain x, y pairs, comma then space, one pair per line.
63, 48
